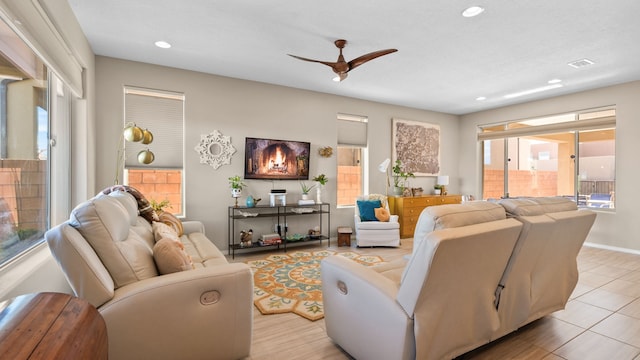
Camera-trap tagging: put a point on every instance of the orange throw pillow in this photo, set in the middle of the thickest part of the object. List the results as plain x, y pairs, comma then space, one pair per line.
382, 214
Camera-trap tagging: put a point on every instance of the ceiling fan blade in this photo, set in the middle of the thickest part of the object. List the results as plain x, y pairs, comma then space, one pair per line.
370, 56
328, 63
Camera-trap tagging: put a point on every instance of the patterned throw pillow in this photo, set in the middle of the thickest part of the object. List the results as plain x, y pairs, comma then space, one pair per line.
172, 221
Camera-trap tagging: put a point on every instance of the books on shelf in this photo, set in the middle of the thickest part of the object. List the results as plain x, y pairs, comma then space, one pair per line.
306, 202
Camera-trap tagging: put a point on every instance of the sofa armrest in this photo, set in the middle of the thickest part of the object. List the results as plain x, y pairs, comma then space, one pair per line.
199, 312
361, 311
192, 226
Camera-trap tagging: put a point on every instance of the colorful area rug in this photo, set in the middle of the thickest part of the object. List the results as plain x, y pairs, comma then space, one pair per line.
291, 282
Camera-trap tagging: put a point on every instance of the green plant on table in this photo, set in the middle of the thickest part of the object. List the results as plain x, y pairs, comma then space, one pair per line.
322, 179
305, 188
399, 175
235, 182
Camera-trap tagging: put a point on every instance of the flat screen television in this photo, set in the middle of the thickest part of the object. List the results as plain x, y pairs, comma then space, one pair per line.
276, 159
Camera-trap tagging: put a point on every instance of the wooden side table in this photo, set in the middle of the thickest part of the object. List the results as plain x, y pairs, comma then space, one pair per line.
344, 236
51, 326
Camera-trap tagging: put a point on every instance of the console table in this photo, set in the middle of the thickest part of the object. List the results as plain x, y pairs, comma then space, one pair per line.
315, 213
51, 326
409, 208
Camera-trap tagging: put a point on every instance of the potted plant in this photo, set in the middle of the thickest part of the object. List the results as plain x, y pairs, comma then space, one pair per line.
159, 207
322, 180
236, 184
305, 190
437, 189
399, 177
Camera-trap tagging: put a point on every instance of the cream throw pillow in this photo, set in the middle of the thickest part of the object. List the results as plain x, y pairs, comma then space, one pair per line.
170, 257
164, 231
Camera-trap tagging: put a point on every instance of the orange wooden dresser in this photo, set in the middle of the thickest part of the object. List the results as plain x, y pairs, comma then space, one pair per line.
409, 208
51, 326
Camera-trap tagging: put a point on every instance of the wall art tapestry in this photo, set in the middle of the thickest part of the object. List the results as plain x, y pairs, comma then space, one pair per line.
417, 145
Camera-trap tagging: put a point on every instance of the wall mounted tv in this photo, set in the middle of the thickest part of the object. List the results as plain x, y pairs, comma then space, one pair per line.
276, 159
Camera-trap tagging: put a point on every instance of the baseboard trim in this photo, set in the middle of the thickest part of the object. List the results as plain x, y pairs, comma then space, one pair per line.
613, 248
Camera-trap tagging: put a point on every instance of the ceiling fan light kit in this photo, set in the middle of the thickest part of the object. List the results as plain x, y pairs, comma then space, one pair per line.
342, 67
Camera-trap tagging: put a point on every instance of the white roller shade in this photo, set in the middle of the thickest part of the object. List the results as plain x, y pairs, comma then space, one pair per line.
162, 114
352, 130
44, 37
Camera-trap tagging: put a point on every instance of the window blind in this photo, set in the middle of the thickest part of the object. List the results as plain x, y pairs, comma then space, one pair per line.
162, 113
352, 130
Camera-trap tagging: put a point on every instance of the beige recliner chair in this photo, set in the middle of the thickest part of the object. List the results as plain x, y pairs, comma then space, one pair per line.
105, 251
542, 271
441, 305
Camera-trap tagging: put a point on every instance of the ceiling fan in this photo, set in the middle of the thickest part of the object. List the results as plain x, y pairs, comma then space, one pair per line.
341, 67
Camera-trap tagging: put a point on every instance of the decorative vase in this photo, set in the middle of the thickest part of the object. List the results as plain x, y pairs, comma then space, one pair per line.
250, 201
319, 195
236, 192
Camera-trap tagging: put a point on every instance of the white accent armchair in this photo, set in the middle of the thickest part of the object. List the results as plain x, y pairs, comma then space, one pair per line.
376, 233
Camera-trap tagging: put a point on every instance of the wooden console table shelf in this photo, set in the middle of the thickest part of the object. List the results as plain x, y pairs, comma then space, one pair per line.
51, 326
409, 208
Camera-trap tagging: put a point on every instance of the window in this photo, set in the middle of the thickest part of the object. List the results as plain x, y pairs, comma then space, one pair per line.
34, 147
162, 113
569, 155
352, 147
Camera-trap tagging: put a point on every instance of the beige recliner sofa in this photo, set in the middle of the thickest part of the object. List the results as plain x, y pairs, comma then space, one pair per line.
462, 286
105, 252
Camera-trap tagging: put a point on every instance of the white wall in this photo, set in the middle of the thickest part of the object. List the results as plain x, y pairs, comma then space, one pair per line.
615, 229
240, 108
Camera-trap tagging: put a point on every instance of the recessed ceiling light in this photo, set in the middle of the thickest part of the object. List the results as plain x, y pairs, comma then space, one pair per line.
554, 81
163, 44
532, 91
580, 63
481, 98
472, 11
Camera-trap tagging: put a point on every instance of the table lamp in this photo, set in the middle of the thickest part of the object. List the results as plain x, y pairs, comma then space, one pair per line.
443, 181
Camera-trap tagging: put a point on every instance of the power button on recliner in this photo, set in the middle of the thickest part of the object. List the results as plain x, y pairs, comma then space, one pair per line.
209, 297
342, 287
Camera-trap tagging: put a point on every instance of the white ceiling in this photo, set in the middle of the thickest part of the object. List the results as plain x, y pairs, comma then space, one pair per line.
444, 61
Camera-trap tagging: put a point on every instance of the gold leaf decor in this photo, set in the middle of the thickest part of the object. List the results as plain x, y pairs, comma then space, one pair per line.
326, 151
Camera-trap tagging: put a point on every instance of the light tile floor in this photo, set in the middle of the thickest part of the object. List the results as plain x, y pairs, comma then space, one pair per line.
600, 322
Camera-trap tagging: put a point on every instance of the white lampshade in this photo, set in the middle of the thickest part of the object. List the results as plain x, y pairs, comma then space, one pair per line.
443, 180
384, 165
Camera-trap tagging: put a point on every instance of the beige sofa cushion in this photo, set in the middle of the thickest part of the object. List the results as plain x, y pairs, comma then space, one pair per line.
455, 215
537, 206
127, 257
201, 250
